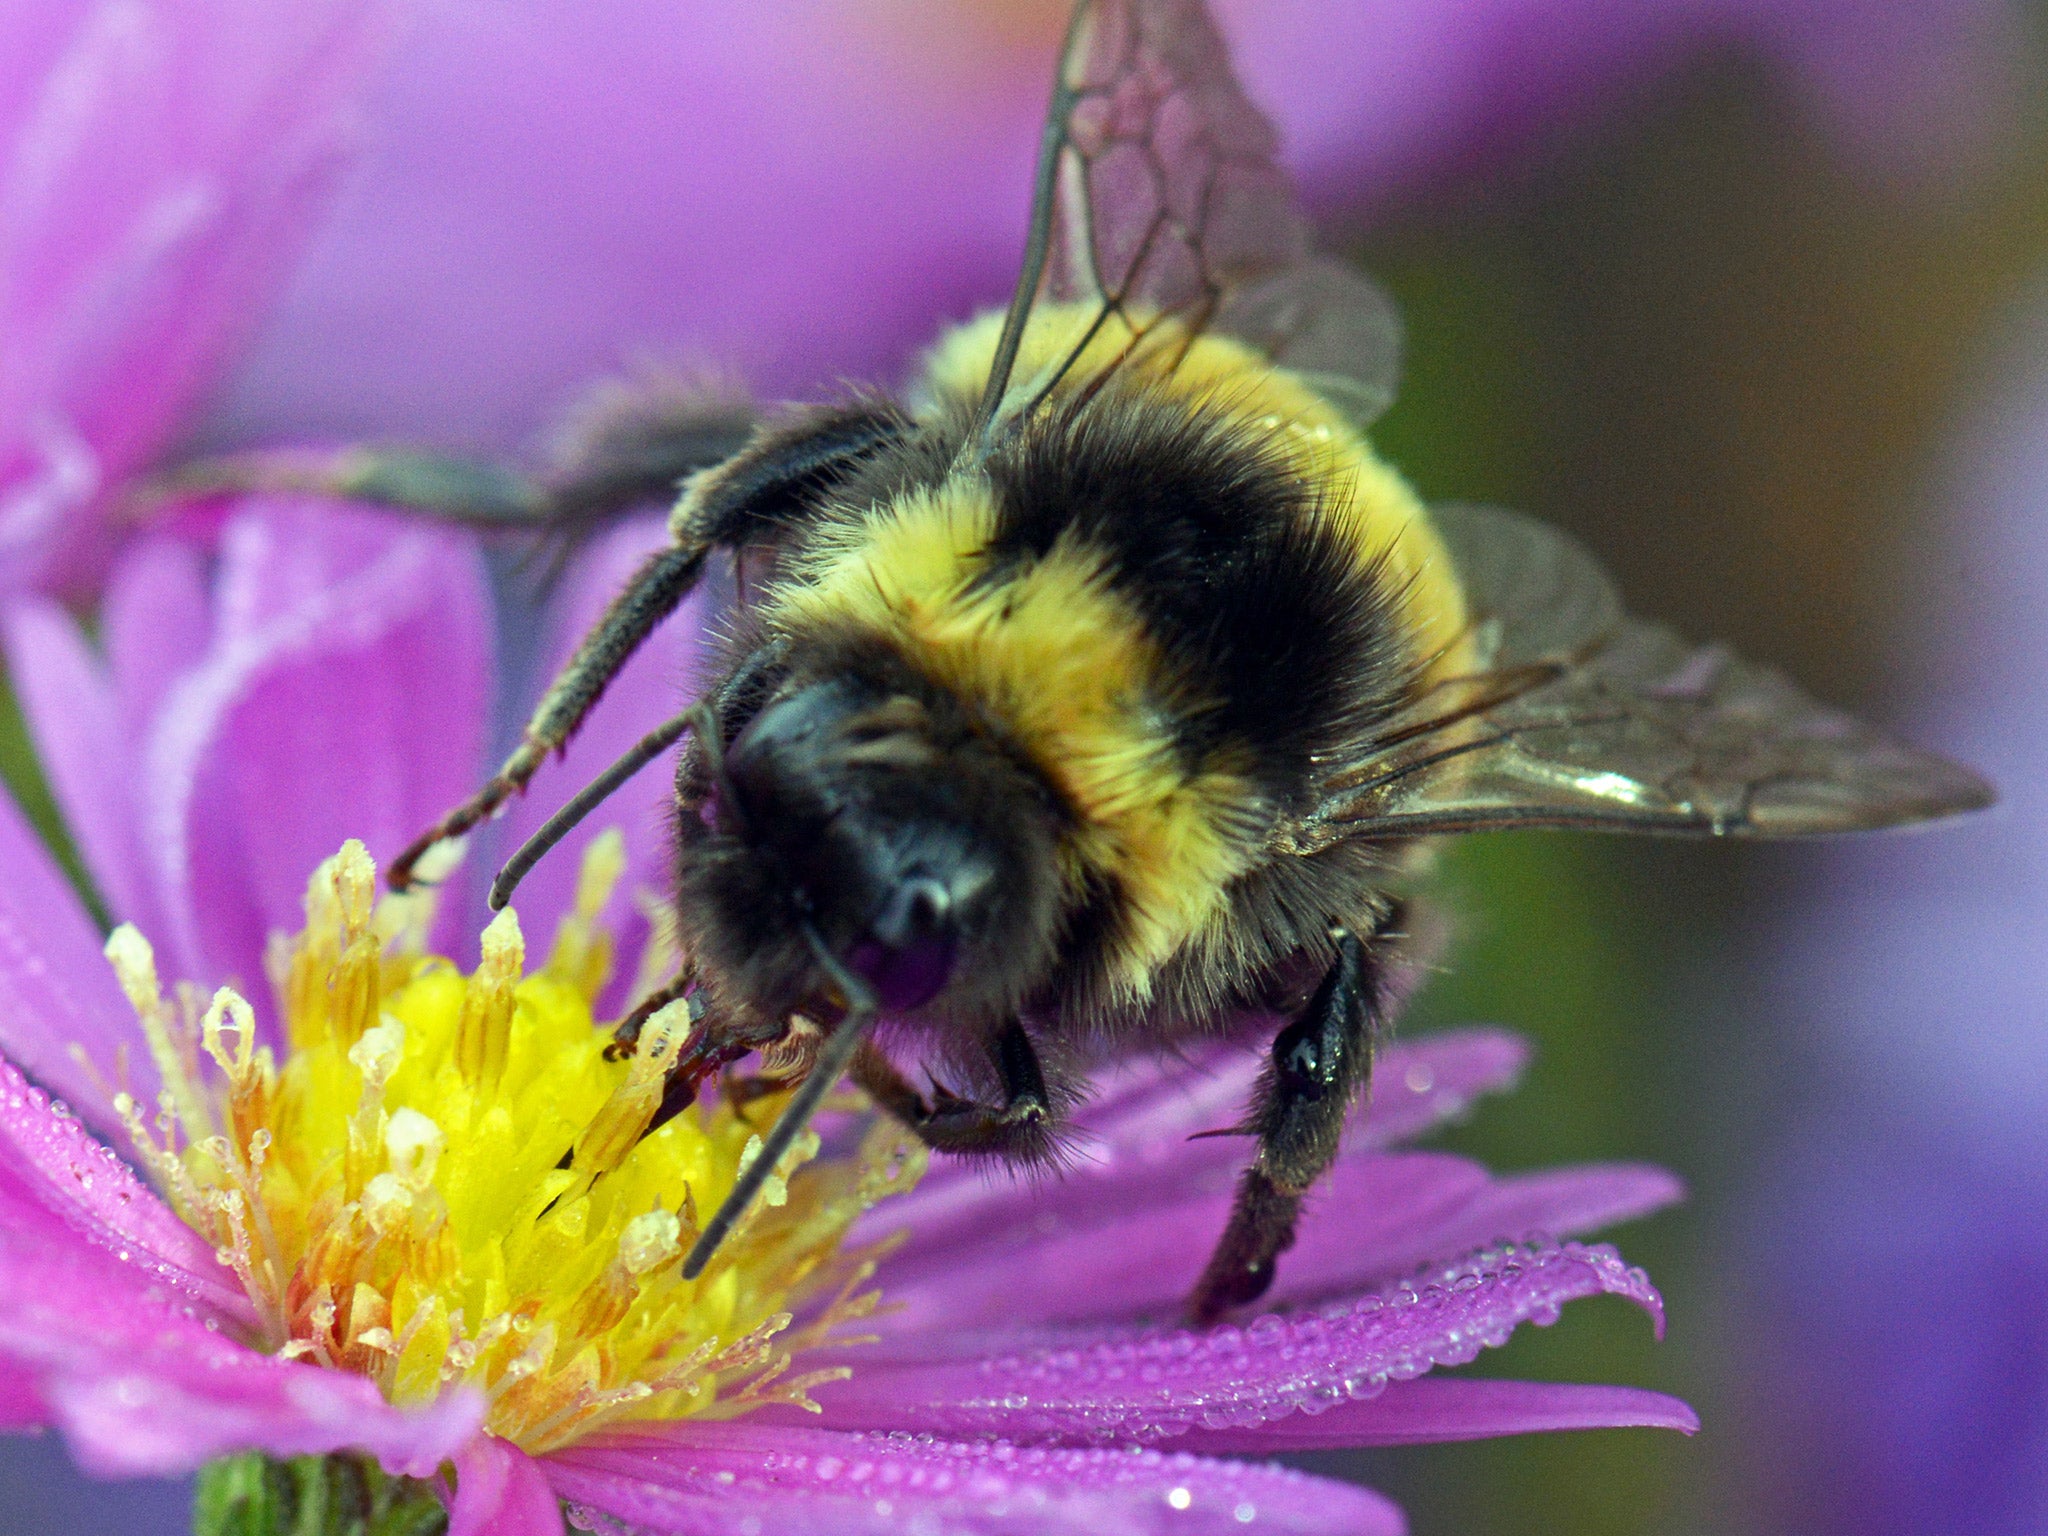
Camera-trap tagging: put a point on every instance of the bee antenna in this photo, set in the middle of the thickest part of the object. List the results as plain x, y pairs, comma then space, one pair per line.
831, 1063
1038, 242
699, 717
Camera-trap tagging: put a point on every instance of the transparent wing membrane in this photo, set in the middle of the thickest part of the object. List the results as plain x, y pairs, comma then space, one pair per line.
1160, 197
1584, 718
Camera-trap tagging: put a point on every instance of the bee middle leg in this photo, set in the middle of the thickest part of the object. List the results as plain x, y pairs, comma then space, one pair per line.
1020, 1128
1318, 1065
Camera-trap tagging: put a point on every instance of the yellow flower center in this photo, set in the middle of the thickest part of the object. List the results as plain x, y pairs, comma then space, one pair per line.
445, 1182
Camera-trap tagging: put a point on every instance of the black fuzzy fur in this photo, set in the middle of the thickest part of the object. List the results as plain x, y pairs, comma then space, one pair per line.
1284, 653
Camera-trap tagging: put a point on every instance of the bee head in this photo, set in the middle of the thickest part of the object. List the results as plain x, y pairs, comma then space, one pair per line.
922, 854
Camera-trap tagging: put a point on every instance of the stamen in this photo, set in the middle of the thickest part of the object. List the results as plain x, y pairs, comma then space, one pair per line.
485, 1033
582, 952
375, 1057
616, 1127
401, 1170
415, 1144
662, 955
134, 965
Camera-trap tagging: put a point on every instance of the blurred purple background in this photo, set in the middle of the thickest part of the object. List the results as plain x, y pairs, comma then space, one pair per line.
1913, 1191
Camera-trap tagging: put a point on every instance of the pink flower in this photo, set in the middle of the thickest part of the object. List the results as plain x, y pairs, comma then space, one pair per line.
161, 165
1024, 1374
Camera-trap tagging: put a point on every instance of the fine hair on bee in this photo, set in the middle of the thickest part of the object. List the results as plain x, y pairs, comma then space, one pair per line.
1103, 692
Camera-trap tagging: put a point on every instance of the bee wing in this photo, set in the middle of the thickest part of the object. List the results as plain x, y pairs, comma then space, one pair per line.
1536, 594
1159, 193
1581, 717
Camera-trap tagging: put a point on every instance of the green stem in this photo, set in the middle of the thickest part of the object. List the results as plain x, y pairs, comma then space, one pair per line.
251, 1495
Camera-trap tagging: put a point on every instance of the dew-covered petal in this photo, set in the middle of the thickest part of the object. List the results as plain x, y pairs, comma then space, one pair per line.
756, 1478
655, 685
1346, 1242
1092, 1383
143, 1384
160, 167
80, 1181
501, 1491
344, 694
1434, 1409
57, 991
1134, 1147
1374, 1217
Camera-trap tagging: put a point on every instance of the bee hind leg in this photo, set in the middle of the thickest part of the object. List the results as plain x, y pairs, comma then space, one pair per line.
1021, 1128
1318, 1065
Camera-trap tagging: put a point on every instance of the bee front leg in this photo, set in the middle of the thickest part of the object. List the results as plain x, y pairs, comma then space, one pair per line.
631, 445
1319, 1064
1021, 1128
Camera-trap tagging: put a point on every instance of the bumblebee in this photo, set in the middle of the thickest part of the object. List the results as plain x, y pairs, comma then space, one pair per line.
1105, 690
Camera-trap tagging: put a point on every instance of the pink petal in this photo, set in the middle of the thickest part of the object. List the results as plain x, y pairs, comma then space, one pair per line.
20, 1408
501, 1491
156, 624
1069, 1263
659, 681
74, 716
1092, 1383
143, 1385
1428, 1080
57, 991
160, 166
753, 1478
95, 1195
1375, 1217
1135, 1146
1434, 1409
344, 695
1145, 1109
